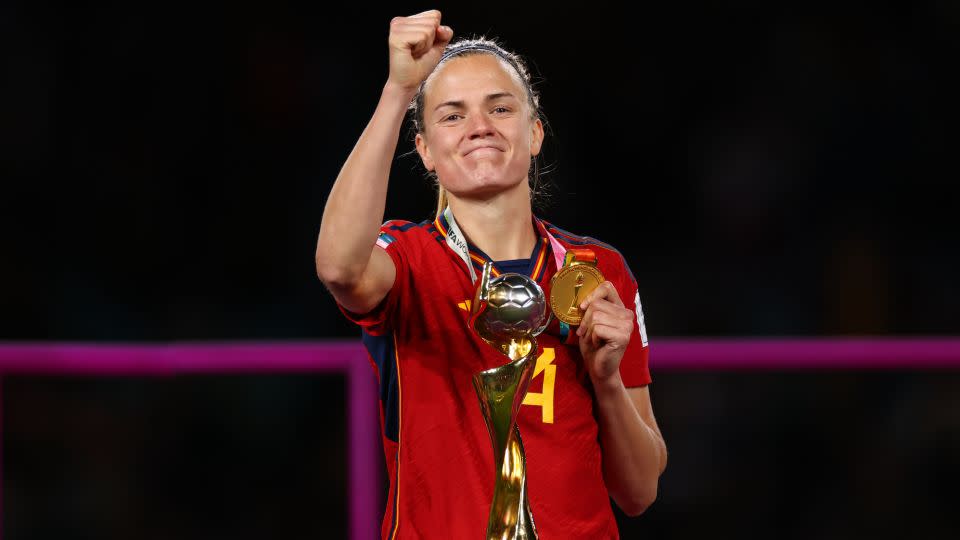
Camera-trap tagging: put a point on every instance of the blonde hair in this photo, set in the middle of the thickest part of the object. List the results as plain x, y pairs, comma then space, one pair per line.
441, 200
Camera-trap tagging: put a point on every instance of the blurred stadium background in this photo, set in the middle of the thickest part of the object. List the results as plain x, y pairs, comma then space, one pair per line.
769, 171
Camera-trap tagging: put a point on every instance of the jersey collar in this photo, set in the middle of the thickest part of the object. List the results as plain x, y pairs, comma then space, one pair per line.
474, 258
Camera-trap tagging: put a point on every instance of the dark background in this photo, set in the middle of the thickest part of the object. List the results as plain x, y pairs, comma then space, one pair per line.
766, 170
189, 457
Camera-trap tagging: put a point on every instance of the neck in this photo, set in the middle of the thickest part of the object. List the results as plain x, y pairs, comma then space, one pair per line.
501, 226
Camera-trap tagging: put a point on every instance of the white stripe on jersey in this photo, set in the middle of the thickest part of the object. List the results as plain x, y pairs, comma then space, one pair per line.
643, 327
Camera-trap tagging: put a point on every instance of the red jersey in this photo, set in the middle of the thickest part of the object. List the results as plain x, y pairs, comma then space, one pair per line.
438, 451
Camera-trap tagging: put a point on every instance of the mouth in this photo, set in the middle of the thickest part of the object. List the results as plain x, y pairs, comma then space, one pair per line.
483, 150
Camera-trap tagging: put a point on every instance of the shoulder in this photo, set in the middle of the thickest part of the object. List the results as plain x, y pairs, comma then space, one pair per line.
399, 231
609, 258
402, 225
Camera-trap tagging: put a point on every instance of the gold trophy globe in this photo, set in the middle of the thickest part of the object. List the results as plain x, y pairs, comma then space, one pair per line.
508, 312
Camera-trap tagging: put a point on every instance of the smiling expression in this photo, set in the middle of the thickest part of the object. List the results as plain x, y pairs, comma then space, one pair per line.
479, 132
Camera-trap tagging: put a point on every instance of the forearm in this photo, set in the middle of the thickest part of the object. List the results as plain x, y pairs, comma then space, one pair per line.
354, 209
634, 453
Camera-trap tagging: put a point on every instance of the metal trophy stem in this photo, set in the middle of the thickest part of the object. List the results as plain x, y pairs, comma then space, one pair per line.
501, 391
508, 312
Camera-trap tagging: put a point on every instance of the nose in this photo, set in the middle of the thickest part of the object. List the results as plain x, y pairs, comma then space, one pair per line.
480, 126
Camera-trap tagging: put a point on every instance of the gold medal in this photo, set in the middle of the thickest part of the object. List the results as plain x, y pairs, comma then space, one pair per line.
571, 284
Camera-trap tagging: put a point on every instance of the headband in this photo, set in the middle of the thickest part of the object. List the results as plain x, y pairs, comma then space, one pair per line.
480, 47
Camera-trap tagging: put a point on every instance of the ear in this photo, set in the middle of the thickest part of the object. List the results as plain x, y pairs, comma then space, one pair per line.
536, 137
424, 152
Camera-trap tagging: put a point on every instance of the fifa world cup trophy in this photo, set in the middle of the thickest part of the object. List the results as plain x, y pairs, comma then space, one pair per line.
508, 312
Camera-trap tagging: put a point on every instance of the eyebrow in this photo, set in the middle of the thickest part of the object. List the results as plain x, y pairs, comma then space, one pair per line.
490, 97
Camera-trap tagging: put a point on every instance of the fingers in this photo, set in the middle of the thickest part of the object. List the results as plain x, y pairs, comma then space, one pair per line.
596, 336
417, 37
603, 308
605, 291
419, 33
444, 35
431, 15
428, 14
606, 314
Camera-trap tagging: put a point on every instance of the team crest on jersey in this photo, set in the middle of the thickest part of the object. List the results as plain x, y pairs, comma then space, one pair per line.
643, 327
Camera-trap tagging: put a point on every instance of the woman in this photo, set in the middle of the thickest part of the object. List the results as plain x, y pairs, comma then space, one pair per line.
587, 423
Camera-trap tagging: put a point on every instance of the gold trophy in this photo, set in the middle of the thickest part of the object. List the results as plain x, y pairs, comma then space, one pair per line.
508, 312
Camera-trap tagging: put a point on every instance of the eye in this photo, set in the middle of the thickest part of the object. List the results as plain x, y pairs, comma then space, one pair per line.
502, 108
450, 117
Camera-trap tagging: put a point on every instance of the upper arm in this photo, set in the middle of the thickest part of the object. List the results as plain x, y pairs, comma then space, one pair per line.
640, 396
364, 293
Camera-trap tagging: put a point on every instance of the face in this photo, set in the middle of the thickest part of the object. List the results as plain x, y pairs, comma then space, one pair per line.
478, 133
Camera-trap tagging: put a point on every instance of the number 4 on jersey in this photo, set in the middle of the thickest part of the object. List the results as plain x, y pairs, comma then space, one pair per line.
544, 399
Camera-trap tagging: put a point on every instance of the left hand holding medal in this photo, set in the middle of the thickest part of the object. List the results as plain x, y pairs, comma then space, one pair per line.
604, 332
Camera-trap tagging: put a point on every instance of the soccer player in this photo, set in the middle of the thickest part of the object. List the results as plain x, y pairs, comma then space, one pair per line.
586, 422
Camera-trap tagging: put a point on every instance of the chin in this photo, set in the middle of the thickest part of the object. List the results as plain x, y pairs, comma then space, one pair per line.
484, 187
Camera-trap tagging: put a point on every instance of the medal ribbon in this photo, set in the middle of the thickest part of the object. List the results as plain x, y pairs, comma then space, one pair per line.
559, 252
583, 255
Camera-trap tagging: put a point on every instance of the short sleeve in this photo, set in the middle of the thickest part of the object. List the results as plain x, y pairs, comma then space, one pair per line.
634, 367
381, 319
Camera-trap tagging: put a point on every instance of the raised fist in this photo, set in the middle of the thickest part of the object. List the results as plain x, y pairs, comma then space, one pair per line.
416, 45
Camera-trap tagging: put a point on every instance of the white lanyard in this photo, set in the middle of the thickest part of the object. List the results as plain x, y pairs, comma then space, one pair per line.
458, 242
